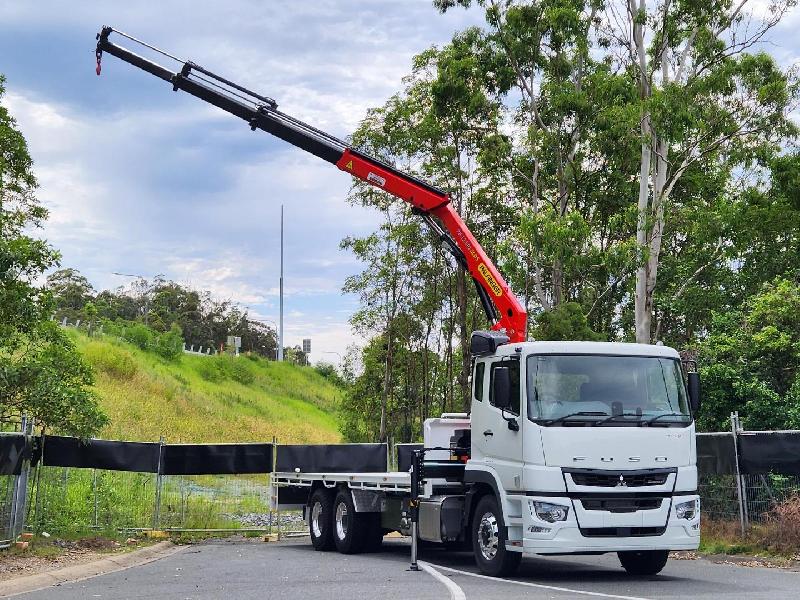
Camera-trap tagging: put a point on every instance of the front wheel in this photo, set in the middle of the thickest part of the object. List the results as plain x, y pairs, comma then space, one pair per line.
489, 540
643, 562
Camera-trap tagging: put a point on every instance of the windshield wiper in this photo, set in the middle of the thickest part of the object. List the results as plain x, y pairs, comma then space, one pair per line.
657, 417
582, 413
615, 417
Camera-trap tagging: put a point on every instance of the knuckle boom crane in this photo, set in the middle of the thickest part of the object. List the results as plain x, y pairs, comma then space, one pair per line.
502, 308
532, 483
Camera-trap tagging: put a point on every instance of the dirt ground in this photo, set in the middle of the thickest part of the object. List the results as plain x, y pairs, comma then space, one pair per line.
48, 555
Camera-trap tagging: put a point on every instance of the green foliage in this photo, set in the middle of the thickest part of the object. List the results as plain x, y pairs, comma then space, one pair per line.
139, 335
41, 374
70, 289
565, 322
752, 362
169, 345
163, 307
329, 372
223, 366
115, 361
207, 398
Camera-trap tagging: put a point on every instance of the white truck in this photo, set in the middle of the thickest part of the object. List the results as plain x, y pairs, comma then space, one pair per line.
570, 448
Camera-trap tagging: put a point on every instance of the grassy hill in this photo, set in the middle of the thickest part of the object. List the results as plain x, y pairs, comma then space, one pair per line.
208, 399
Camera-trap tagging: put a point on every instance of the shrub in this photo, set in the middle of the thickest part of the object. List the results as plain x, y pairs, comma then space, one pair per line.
237, 369
783, 525
222, 366
169, 345
139, 335
207, 369
115, 362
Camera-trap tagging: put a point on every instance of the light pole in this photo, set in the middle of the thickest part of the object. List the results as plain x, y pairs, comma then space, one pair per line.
280, 329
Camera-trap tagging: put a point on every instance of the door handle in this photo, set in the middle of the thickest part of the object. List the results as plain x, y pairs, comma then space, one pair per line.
488, 432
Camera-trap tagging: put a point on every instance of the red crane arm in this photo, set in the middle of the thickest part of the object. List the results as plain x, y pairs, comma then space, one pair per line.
502, 308
512, 316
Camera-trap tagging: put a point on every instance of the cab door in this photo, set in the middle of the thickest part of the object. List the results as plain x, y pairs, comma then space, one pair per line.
493, 442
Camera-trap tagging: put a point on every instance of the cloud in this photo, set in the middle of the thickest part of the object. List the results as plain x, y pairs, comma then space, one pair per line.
142, 180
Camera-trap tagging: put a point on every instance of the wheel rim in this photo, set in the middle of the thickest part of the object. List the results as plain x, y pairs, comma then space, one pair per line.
488, 536
341, 520
316, 519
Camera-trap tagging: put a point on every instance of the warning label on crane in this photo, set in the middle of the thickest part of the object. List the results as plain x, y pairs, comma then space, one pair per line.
496, 289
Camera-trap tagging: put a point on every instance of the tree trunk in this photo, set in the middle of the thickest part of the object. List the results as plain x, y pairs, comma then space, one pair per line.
387, 383
642, 311
464, 334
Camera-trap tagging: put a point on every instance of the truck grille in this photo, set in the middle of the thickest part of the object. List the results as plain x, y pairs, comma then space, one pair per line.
621, 505
622, 531
600, 479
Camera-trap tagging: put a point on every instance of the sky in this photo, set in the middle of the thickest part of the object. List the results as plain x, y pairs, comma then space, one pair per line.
144, 181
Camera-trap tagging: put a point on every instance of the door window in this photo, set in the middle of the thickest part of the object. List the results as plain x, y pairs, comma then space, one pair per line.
513, 371
477, 381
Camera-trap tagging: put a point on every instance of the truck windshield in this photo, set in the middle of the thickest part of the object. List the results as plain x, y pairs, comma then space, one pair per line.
606, 390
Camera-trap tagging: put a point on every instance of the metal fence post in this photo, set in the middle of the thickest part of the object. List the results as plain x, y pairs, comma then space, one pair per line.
275, 487
94, 489
739, 480
20, 493
159, 482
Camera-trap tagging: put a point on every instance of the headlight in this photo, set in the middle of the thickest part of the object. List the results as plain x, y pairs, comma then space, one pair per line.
687, 510
550, 512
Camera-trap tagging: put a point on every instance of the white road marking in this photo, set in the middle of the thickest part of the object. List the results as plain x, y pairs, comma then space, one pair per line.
456, 593
536, 585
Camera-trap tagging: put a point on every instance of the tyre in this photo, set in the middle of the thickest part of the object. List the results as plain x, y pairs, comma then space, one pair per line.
643, 562
489, 540
350, 529
320, 519
374, 532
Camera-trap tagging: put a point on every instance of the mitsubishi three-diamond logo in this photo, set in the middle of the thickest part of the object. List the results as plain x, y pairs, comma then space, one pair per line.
621, 482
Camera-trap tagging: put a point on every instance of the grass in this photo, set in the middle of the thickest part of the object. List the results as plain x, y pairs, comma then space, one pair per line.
761, 540
193, 399
208, 399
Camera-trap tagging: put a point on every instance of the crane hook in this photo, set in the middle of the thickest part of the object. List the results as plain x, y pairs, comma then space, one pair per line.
99, 55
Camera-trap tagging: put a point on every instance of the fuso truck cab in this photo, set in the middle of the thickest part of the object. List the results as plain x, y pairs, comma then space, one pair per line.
581, 448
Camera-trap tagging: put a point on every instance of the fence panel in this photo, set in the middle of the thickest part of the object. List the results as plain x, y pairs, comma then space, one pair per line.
6, 509
214, 502
73, 500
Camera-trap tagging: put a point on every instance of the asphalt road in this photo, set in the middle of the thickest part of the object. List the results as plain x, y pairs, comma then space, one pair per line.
230, 569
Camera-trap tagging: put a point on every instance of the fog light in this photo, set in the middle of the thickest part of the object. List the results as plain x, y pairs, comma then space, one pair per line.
550, 512
687, 510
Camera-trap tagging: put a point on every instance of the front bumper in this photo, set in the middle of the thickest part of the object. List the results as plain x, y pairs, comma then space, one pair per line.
602, 531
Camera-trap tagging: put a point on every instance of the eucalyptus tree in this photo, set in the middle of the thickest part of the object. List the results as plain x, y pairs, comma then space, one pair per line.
704, 100
438, 128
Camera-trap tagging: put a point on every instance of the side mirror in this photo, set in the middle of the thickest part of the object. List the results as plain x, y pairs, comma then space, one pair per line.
694, 391
501, 387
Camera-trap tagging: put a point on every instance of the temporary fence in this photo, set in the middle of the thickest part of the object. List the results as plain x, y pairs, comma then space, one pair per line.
744, 475
104, 485
65, 485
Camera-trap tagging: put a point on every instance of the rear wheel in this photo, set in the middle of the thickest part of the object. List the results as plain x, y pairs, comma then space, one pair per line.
489, 540
643, 562
349, 527
320, 519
